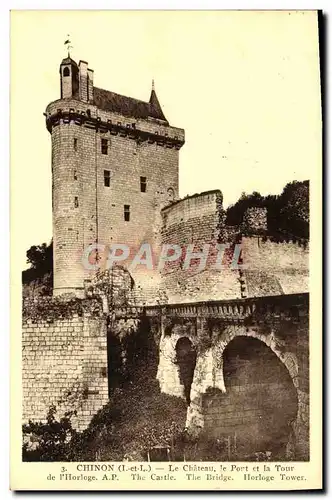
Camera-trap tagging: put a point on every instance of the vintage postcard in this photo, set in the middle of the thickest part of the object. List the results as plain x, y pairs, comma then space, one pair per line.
166, 218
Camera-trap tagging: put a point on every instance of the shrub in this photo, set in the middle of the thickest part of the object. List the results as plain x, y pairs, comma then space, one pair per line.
49, 441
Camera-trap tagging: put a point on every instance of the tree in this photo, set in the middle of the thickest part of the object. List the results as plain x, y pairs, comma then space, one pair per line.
41, 256
294, 212
38, 279
234, 213
287, 213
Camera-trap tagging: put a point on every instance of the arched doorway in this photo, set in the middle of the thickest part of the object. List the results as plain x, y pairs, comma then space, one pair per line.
186, 361
255, 414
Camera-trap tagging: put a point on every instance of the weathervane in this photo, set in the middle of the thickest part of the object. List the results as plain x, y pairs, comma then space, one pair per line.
68, 45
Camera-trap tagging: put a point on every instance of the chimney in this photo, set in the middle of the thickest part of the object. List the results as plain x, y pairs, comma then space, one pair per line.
90, 85
83, 70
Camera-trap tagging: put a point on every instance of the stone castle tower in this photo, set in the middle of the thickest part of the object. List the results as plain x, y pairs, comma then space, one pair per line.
115, 162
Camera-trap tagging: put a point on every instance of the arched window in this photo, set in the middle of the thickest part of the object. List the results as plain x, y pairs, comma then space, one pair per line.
66, 72
170, 194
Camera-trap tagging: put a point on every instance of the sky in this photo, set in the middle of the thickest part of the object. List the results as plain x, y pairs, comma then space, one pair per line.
244, 86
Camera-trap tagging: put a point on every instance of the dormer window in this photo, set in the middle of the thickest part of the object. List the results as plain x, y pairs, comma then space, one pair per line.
66, 72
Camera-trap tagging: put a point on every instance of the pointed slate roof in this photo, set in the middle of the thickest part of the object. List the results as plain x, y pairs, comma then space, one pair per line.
154, 103
69, 60
128, 106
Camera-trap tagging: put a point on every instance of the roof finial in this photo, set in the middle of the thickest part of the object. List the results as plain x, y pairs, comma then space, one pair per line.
68, 44
152, 84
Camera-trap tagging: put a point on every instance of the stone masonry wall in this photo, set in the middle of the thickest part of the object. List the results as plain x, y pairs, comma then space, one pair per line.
197, 220
274, 268
270, 268
64, 363
73, 226
84, 209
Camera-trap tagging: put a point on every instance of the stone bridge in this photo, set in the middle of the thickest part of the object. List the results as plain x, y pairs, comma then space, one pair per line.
242, 365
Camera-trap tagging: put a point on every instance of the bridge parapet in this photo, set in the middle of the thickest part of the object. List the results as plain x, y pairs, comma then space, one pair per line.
281, 306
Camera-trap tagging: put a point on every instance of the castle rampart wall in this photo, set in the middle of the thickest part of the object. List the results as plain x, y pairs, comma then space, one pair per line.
252, 265
64, 361
197, 220
272, 268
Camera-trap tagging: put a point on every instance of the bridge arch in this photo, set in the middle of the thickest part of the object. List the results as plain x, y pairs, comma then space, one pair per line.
288, 359
209, 376
186, 362
259, 404
177, 360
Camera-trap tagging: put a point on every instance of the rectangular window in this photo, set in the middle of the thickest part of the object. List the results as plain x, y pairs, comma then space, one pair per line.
76, 201
104, 146
127, 213
75, 175
107, 178
143, 184
75, 144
